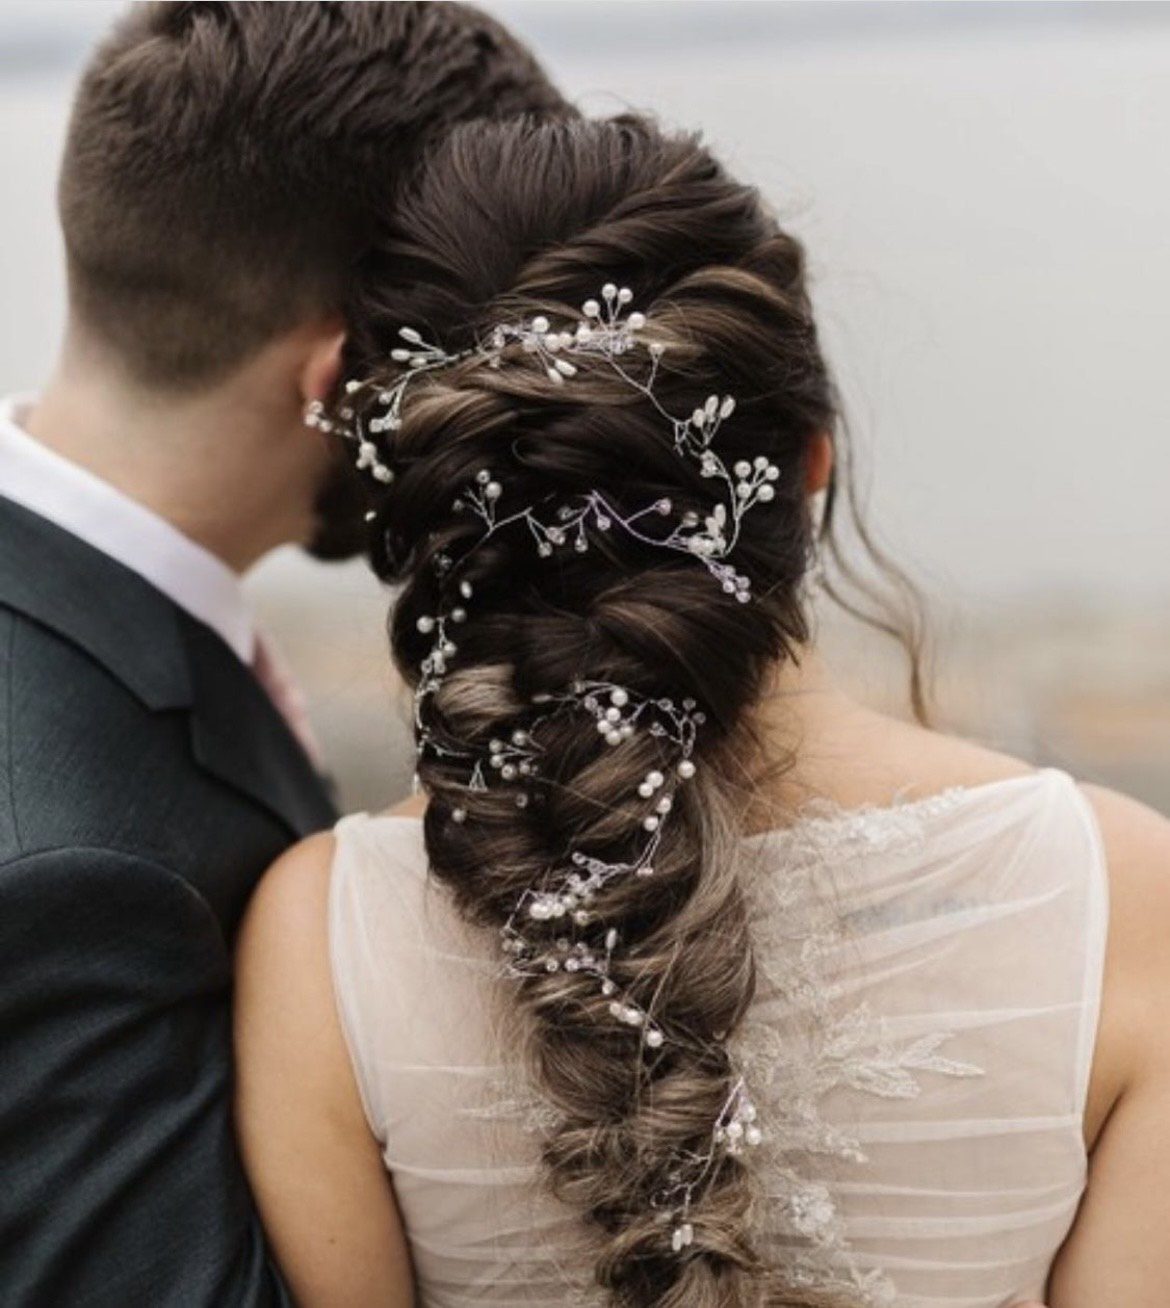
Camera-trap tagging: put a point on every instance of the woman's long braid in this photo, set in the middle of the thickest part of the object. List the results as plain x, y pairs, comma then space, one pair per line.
584, 708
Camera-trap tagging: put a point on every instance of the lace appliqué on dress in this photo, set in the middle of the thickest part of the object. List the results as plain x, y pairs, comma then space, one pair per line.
822, 1045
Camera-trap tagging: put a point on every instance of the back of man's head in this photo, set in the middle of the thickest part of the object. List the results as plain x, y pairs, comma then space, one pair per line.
225, 161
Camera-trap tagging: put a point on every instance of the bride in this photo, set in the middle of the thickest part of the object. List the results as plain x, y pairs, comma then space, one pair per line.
687, 981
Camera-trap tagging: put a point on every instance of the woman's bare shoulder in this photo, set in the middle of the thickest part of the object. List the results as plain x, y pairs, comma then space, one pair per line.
1113, 1254
1136, 843
864, 757
1133, 1033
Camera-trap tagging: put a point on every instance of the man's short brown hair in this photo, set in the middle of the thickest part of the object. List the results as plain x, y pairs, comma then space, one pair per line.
225, 162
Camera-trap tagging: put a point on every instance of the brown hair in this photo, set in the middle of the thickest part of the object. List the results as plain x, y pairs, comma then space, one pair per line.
506, 222
224, 161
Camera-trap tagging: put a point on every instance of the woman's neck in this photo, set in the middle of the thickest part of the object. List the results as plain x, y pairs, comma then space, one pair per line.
816, 741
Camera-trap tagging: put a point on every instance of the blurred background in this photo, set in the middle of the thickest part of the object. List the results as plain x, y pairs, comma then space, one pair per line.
983, 188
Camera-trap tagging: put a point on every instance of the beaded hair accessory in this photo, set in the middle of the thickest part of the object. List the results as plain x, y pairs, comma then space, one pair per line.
558, 925
607, 331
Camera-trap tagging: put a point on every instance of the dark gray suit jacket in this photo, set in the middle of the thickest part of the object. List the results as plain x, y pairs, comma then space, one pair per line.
146, 781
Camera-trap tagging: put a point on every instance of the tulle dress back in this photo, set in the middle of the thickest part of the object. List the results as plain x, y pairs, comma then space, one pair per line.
919, 1051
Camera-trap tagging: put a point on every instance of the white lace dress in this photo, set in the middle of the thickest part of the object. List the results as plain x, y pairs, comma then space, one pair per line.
919, 1051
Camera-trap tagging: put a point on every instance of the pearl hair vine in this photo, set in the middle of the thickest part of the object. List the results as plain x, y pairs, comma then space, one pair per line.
735, 1131
558, 928
607, 331
569, 900
568, 895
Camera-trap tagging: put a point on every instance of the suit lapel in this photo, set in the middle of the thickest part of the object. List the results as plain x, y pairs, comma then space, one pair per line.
239, 736
168, 660
120, 620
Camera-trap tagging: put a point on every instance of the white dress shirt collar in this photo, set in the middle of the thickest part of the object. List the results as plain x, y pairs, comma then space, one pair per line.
81, 503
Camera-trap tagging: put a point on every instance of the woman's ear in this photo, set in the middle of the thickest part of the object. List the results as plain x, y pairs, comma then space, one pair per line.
818, 466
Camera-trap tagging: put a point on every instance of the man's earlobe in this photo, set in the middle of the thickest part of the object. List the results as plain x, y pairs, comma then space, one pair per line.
818, 466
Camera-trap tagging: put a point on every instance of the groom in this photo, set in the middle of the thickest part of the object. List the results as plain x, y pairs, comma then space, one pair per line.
221, 167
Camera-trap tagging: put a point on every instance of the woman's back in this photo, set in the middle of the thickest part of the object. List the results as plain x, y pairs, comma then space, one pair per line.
918, 1046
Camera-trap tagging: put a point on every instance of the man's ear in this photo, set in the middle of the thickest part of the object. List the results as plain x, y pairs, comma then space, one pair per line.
322, 366
818, 466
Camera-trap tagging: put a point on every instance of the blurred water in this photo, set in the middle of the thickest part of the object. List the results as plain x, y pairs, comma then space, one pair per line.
985, 197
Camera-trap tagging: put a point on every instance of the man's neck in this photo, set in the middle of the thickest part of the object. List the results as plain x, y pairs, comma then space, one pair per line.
172, 455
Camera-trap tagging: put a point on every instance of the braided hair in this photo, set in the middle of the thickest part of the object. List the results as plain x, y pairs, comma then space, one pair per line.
584, 698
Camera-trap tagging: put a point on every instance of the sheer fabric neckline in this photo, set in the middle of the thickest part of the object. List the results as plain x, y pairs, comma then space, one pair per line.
820, 813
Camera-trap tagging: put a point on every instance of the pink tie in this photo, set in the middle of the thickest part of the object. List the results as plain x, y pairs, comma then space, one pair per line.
273, 674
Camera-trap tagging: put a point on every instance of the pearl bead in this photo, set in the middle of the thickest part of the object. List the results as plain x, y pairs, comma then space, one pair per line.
655, 778
425, 624
645, 790
459, 815
540, 324
686, 769
767, 493
654, 1039
650, 823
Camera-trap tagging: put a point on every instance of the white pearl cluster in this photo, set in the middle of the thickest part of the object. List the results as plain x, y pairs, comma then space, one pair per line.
735, 1131
368, 459
738, 1131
